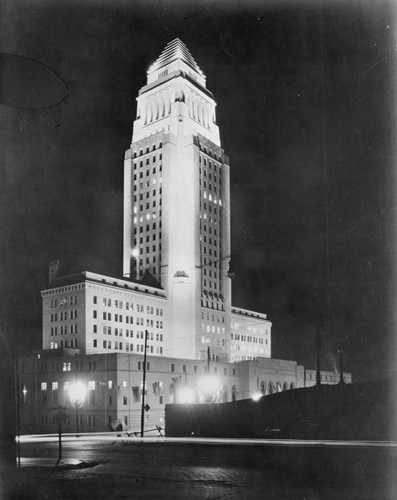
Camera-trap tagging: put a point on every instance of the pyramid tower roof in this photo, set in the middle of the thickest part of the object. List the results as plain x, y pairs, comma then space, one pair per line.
174, 50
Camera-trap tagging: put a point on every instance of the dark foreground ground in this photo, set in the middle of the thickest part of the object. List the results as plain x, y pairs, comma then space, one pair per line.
131, 469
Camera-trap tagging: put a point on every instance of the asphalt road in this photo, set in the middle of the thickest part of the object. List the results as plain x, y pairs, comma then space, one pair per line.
130, 468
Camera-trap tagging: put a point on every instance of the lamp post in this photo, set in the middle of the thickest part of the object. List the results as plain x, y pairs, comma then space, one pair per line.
77, 392
144, 386
60, 417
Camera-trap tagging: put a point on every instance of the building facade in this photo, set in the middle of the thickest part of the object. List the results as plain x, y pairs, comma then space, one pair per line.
175, 292
113, 385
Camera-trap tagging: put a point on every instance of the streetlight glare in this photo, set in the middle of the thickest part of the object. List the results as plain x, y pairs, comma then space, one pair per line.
256, 396
209, 388
77, 392
208, 383
185, 395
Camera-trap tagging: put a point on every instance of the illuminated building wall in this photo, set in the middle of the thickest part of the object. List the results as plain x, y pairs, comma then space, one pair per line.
176, 201
96, 313
176, 237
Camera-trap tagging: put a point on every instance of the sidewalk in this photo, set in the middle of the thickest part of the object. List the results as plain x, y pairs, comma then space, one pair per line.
29, 480
71, 463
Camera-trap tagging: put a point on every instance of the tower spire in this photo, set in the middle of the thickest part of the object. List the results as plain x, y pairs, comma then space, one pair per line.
175, 50
175, 58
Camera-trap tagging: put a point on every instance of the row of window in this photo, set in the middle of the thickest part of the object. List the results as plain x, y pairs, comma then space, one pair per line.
107, 344
209, 174
154, 147
72, 343
204, 228
209, 240
210, 251
212, 329
211, 198
254, 329
329, 378
147, 217
140, 197
214, 341
213, 317
210, 153
146, 185
64, 301
248, 338
212, 303
63, 330
107, 330
147, 162
64, 315
129, 306
128, 320
148, 229
147, 206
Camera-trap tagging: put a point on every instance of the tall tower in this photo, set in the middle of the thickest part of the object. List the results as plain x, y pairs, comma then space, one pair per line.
176, 204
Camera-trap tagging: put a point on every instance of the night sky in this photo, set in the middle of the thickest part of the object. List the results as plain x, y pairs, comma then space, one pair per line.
306, 109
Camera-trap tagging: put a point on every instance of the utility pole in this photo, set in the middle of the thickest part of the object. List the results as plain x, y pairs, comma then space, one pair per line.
18, 406
318, 351
76, 407
340, 352
144, 385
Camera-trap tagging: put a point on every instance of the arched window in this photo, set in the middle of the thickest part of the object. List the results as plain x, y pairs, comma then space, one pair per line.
285, 386
224, 394
278, 387
162, 107
271, 387
292, 385
234, 393
157, 109
168, 104
149, 113
263, 387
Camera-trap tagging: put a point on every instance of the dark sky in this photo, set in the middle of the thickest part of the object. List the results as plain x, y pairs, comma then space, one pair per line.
306, 109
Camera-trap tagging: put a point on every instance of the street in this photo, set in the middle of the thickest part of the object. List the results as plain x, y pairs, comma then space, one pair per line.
232, 469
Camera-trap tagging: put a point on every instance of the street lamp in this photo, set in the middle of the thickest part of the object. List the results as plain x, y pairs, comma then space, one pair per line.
209, 388
77, 392
185, 395
24, 392
257, 396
